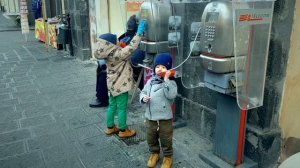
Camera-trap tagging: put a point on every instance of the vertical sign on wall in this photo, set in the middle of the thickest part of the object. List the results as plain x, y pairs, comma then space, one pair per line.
24, 17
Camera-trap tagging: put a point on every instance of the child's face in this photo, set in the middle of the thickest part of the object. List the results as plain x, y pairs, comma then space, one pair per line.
160, 69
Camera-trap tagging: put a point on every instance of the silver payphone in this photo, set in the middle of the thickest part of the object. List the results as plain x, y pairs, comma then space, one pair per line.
217, 47
157, 14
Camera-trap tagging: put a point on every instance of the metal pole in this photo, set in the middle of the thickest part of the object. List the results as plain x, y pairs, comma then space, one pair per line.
136, 85
44, 13
108, 12
63, 7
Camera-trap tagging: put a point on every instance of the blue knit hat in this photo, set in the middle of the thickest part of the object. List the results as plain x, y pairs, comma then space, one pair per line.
112, 38
164, 59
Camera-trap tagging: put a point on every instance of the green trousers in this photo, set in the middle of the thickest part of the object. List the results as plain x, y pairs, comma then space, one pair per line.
117, 104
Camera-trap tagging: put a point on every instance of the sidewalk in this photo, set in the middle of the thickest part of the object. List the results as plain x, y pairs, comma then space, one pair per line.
45, 120
7, 24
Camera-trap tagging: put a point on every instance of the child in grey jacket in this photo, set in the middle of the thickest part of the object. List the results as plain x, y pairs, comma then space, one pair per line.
157, 96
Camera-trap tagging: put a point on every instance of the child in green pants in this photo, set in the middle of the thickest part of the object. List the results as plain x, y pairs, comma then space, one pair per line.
119, 78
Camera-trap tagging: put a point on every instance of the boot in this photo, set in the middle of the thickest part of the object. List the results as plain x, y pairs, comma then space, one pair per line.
97, 103
154, 158
110, 131
127, 133
167, 162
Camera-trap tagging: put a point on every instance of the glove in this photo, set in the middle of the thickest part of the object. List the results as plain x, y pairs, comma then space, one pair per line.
141, 27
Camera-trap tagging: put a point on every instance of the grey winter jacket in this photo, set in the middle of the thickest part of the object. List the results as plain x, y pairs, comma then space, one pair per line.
161, 95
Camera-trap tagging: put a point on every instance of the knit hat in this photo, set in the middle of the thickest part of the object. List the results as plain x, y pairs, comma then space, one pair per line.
112, 38
164, 59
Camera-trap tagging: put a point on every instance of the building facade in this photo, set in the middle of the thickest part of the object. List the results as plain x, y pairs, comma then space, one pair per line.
269, 126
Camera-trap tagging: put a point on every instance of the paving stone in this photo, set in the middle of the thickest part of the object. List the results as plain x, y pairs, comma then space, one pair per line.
83, 133
8, 126
10, 102
35, 121
5, 90
3, 85
12, 149
10, 64
72, 162
91, 111
31, 106
16, 74
67, 105
33, 98
18, 83
60, 152
28, 160
96, 143
7, 113
13, 59
77, 121
49, 128
25, 94
5, 69
38, 111
114, 157
7, 80
66, 115
5, 96
26, 87
14, 136
45, 141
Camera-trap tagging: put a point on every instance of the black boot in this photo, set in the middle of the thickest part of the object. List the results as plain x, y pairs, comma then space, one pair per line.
96, 103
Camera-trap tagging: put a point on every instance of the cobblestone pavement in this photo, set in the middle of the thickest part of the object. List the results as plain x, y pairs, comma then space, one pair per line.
45, 120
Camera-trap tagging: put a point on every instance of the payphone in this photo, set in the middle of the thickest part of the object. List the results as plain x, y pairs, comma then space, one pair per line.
234, 49
155, 38
217, 47
157, 13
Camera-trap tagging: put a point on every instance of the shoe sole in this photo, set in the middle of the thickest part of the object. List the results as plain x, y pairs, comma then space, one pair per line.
155, 164
111, 133
127, 136
93, 106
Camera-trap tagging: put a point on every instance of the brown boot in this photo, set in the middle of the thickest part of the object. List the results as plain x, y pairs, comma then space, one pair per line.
127, 133
154, 158
167, 162
110, 131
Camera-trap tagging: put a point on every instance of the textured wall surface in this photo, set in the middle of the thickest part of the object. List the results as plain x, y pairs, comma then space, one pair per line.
79, 14
289, 113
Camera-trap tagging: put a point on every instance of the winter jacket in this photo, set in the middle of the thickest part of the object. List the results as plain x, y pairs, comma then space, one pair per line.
119, 71
161, 95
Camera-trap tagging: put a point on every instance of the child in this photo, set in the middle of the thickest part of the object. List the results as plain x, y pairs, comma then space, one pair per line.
157, 96
119, 78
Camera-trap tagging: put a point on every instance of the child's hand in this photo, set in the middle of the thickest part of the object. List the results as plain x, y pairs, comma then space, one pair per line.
146, 99
167, 75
